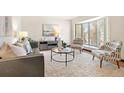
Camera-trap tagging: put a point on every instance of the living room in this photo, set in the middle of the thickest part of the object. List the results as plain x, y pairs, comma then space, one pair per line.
47, 33
63, 46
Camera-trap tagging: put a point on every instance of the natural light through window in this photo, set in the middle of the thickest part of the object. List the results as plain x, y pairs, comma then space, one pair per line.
93, 32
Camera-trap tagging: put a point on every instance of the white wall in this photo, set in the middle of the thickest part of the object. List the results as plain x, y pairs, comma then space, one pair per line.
33, 25
16, 23
2, 29
116, 27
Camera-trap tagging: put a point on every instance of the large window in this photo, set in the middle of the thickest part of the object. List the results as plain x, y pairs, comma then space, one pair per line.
78, 32
102, 35
92, 32
85, 33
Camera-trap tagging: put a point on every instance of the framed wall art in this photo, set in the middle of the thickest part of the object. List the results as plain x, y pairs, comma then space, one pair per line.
49, 29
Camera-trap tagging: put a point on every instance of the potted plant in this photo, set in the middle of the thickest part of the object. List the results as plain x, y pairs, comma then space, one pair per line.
64, 44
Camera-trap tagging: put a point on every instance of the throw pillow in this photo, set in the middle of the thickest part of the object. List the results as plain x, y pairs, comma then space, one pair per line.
6, 52
27, 46
19, 51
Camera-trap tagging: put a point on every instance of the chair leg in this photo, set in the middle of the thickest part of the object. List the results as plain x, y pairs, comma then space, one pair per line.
101, 62
118, 64
93, 57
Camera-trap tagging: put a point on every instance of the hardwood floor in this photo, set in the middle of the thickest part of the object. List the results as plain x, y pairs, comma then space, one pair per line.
121, 63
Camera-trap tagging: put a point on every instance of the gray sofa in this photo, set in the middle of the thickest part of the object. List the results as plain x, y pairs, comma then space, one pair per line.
27, 66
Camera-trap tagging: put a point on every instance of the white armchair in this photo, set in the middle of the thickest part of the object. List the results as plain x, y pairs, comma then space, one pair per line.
110, 51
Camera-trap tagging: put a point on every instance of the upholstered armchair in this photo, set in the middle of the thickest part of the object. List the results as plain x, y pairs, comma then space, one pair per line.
77, 44
110, 51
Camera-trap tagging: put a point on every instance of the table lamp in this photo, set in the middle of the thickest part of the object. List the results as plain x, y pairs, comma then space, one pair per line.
56, 32
22, 34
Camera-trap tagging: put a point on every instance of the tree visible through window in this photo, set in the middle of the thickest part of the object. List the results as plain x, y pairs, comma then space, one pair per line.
85, 33
93, 32
78, 31
101, 31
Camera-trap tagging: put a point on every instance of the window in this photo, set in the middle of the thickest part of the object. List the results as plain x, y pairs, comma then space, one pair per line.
85, 33
101, 31
92, 32
78, 32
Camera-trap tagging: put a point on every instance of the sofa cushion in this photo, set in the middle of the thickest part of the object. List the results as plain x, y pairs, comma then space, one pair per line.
27, 46
99, 53
88, 47
19, 51
76, 45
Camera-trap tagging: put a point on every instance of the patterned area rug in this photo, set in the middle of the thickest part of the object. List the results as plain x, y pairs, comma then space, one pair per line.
81, 66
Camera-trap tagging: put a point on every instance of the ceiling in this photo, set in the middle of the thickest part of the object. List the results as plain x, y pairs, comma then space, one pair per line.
61, 17
51, 17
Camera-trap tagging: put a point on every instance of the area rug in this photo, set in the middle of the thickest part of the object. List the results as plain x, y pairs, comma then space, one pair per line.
81, 66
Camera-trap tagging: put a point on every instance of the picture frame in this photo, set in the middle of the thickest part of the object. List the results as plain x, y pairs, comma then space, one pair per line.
49, 29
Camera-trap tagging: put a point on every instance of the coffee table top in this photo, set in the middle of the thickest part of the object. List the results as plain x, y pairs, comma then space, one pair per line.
62, 50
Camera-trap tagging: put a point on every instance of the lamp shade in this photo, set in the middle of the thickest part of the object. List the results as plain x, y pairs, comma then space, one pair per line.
23, 34
56, 33
56, 30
